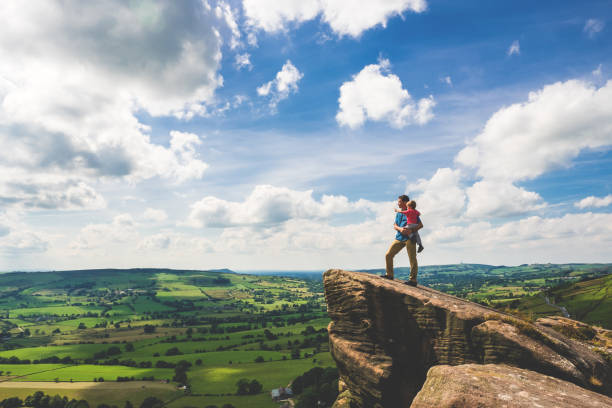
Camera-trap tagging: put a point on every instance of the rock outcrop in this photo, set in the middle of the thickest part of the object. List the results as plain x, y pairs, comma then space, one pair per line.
385, 336
497, 385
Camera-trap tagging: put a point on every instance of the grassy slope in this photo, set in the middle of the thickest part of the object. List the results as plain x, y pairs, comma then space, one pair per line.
588, 301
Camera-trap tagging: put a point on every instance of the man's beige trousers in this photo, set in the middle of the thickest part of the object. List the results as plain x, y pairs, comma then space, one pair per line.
397, 246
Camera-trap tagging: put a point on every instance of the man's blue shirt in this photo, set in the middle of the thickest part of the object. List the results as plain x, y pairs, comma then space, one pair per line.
402, 221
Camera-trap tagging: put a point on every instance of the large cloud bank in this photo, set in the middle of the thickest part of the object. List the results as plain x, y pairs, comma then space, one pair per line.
73, 77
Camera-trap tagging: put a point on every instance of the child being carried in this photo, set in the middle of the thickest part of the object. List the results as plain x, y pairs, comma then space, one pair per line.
412, 217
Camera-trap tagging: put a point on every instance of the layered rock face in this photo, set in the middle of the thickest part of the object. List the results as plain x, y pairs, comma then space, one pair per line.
385, 336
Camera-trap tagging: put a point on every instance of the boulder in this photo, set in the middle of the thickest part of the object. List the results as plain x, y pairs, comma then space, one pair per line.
499, 386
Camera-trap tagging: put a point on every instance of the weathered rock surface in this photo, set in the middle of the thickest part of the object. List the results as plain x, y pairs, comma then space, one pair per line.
385, 336
597, 337
497, 385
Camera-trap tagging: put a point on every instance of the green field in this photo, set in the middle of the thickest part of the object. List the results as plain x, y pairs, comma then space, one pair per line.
88, 372
219, 327
222, 380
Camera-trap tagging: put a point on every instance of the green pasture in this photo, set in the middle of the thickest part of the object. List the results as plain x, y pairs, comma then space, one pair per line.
13, 370
216, 358
88, 372
142, 305
223, 379
178, 290
75, 351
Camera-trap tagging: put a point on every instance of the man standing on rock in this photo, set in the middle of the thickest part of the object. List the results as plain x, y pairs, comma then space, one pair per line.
401, 241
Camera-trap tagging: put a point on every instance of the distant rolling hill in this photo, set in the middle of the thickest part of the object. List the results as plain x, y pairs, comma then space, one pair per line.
589, 301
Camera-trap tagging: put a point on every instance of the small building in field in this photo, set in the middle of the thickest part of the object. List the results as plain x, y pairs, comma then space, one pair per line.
281, 393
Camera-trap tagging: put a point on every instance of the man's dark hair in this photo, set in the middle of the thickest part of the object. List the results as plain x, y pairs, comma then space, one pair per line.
404, 198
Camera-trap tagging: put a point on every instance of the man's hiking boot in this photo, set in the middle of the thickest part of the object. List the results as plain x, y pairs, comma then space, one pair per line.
386, 277
411, 283
421, 248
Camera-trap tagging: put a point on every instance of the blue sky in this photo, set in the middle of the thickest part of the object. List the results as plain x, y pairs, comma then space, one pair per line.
259, 134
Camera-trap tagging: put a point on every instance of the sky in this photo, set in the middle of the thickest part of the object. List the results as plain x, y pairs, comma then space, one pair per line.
263, 134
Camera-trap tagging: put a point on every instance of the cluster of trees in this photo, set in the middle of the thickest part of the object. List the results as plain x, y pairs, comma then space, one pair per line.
46, 360
246, 387
111, 351
316, 388
180, 372
41, 400
174, 351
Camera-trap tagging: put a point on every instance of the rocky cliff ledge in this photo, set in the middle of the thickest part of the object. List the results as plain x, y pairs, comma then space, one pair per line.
386, 336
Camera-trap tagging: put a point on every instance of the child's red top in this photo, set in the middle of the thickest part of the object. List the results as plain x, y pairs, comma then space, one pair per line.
411, 215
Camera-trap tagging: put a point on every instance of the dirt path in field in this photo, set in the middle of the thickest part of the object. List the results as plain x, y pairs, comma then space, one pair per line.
86, 384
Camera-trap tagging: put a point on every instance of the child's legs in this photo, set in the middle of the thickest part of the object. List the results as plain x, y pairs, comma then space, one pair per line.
418, 238
415, 234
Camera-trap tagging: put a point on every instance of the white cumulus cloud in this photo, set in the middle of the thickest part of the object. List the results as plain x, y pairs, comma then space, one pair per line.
594, 202
243, 61
343, 16
377, 94
441, 196
285, 83
500, 199
68, 99
269, 205
122, 229
525, 140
